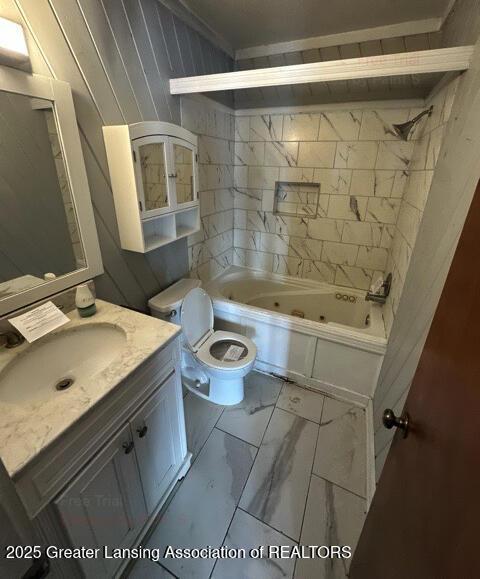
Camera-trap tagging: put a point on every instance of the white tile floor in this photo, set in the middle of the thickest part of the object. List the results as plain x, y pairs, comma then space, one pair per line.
286, 466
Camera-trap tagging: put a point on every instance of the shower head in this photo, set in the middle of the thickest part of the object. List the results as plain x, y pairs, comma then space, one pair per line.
403, 129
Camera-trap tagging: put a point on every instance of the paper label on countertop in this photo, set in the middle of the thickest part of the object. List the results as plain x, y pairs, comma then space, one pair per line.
39, 321
233, 353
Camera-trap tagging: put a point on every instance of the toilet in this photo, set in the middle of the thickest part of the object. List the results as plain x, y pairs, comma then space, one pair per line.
214, 363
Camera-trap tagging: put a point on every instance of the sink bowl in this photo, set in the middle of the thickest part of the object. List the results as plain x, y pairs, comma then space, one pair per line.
59, 362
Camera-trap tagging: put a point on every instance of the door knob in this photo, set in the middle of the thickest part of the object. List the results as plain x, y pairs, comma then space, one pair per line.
401, 422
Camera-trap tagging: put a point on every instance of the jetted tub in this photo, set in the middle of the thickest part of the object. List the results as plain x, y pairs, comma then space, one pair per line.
318, 334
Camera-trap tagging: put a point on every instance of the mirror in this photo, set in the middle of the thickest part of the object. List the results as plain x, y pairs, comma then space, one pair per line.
39, 235
183, 173
152, 162
48, 239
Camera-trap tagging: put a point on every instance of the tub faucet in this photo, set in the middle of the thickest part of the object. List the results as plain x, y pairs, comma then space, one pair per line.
11, 339
381, 296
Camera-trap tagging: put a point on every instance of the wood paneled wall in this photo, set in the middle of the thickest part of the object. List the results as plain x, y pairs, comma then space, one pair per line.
456, 175
118, 56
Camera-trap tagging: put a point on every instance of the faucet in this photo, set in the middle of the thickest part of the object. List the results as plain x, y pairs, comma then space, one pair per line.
381, 296
12, 339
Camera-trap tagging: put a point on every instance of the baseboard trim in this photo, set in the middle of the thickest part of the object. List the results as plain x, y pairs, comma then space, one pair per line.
370, 439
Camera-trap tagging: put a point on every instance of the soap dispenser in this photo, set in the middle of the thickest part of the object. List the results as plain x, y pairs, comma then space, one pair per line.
85, 301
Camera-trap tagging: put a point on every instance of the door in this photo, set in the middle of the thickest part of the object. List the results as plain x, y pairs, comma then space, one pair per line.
104, 505
423, 523
156, 431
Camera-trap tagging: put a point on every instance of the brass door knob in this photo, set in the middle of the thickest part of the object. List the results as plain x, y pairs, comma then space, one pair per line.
401, 422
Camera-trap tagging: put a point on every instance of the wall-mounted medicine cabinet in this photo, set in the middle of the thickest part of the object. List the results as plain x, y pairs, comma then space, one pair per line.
153, 169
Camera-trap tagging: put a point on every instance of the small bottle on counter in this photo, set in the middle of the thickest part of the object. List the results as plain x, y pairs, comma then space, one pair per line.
85, 301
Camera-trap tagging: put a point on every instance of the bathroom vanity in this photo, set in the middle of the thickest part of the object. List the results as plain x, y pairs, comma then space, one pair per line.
94, 463
92, 430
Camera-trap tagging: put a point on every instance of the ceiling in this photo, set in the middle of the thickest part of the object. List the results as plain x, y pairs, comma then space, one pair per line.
245, 23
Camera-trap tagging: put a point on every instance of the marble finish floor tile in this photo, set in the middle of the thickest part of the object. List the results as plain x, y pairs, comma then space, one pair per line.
333, 517
200, 418
146, 569
249, 419
340, 456
246, 532
201, 511
277, 487
301, 401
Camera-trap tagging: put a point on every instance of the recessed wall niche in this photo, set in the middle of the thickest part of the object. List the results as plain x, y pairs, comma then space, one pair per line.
296, 199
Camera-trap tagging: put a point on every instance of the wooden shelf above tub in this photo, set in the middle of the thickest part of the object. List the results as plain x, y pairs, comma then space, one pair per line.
419, 62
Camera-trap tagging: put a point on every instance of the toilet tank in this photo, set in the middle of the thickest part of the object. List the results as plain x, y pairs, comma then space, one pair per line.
167, 304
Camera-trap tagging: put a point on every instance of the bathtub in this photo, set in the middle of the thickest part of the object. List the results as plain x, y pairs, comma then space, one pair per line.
320, 335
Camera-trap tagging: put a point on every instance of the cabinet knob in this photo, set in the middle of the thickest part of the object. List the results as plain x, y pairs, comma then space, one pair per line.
142, 431
172, 175
128, 446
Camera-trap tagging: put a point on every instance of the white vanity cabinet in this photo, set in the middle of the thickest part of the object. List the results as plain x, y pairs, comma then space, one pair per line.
105, 480
154, 174
110, 500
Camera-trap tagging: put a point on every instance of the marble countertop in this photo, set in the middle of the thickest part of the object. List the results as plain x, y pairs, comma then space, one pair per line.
28, 428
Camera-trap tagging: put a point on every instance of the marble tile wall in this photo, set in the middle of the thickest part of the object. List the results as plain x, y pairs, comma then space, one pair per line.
455, 179
373, 190
362, 167
425, 155
211, 249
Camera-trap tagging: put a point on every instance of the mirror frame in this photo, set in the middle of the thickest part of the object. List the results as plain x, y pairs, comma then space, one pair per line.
60, 94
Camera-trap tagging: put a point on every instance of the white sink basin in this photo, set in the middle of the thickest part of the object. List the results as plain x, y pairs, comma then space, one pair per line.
62, 361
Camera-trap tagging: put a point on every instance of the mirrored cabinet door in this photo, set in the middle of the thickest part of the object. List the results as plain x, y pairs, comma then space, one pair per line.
184, 172
150, 156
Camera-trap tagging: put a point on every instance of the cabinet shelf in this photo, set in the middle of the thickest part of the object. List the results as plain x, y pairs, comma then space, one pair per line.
156, 242
154, 174
164, 229
185, 231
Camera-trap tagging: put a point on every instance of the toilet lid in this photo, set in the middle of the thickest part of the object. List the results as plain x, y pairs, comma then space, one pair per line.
197, 317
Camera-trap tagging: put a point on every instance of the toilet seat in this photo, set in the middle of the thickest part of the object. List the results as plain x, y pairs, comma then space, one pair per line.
205, 357
197, 326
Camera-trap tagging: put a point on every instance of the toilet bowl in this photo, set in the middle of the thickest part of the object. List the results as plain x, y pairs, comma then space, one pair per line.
214, 363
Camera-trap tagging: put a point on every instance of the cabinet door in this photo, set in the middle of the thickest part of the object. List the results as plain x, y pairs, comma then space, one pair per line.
184, 173
157, 433
104, 505
155, 188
